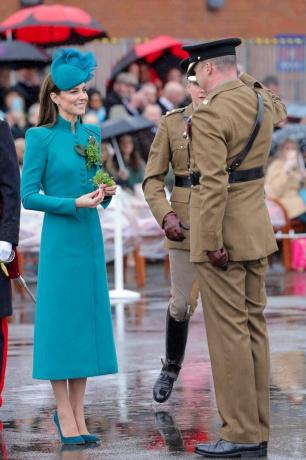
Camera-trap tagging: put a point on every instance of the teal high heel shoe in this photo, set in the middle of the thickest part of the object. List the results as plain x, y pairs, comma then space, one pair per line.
90, 438
67, 439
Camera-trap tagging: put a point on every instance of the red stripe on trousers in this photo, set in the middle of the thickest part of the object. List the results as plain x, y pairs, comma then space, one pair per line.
4, 330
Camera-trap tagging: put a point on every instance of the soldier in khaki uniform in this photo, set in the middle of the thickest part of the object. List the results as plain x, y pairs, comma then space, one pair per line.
170, 147
231, 237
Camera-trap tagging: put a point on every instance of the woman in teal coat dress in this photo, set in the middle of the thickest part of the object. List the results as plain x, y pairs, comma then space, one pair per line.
73, 336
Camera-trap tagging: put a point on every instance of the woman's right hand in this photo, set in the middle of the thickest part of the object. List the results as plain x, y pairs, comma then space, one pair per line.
90, 200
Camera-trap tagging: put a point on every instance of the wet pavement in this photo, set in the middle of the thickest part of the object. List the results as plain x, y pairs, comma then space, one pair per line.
119, 407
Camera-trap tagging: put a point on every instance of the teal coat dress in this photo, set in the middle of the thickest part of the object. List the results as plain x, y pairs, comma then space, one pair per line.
73, 327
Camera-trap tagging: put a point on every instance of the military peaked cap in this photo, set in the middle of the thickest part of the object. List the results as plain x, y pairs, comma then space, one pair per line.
208, 50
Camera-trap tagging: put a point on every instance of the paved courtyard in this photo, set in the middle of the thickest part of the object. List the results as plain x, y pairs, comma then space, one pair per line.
119, 407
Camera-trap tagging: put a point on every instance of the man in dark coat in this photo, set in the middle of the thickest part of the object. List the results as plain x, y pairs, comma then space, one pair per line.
9, 231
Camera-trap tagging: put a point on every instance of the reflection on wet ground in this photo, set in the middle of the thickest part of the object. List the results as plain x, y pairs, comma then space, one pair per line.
119, 407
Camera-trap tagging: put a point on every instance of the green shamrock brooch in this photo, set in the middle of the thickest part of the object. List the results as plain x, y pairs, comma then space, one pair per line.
91, 152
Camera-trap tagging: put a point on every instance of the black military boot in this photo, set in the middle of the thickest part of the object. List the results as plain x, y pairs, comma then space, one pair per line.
176, 339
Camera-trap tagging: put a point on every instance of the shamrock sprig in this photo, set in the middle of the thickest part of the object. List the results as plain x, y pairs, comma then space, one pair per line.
91, 152
102, 177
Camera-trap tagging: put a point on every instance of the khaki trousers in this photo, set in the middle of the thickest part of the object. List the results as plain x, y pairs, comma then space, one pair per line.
238, 346
184, 286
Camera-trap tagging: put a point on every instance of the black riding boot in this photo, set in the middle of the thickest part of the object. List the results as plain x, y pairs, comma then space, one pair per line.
176, 339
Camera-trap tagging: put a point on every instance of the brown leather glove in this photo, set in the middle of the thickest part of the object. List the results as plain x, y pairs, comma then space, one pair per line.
218, 258
173, 227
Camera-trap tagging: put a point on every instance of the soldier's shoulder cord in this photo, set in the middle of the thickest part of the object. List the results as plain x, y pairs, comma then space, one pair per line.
172, 112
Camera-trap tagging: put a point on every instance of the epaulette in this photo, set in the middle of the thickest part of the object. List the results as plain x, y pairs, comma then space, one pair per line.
171, 112
209, 98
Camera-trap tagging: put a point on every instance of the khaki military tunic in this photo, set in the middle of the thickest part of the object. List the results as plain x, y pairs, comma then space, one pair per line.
234, 216
169, 147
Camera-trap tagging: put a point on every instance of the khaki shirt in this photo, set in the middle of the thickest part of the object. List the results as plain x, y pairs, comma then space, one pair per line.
169, 147
222, 215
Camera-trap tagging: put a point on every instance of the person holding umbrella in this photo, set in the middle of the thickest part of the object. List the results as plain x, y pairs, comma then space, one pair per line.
73, 336
9, 232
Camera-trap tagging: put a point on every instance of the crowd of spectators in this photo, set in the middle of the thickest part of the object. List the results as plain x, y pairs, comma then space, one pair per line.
139, 91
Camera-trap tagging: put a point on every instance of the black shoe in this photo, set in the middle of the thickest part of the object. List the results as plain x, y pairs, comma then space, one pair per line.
226, 449
164, 384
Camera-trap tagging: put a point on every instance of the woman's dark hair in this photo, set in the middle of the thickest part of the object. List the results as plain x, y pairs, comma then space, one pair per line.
91, 92
47, 109
135, 159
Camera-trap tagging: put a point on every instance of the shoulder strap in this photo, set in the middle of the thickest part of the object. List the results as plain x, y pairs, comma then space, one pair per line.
242, 155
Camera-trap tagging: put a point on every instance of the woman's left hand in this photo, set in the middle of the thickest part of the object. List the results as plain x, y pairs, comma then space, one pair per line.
110, 191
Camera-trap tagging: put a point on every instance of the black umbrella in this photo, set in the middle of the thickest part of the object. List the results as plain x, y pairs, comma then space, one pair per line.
17, 55
119, 126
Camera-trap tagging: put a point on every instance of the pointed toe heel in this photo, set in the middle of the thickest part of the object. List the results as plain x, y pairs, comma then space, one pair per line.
90, 438
67, 440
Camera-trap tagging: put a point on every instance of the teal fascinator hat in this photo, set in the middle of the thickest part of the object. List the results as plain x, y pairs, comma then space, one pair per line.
71, 67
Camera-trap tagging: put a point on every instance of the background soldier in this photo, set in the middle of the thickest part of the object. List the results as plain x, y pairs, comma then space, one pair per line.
9, 231
231, 236
170, 147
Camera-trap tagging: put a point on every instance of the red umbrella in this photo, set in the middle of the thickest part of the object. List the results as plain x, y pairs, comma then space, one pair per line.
50, 25
161, 52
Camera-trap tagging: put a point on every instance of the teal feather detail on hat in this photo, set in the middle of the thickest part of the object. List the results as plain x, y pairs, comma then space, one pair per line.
70, 67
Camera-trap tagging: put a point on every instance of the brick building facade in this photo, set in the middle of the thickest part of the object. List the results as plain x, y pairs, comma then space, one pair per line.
189, 18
